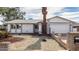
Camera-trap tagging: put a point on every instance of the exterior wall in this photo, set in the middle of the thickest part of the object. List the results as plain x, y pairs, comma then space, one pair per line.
8, 27
59, 25
26, 28
74, 29
71, 27
40, 28
18, 30
73, 46
48, 28
13, 31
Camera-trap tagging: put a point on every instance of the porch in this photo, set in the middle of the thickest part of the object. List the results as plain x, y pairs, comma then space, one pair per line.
24, 28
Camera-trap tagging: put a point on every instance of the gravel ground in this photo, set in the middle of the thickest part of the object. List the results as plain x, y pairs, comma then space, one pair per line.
22, 45
34, 43
51, 45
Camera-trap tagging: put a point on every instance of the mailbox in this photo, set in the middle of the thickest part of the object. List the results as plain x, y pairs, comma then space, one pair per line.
76, 39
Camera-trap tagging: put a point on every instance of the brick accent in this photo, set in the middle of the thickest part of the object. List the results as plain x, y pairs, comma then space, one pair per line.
71, 45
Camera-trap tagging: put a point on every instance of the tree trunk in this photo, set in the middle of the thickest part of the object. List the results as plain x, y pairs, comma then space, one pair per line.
44, 24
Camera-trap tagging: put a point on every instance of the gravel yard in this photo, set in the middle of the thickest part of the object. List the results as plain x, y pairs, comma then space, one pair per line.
34, 43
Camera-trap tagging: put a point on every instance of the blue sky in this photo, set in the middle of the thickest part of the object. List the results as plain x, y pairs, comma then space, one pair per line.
71, 13
71, 9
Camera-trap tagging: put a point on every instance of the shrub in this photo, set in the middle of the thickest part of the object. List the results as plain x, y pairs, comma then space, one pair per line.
4, 34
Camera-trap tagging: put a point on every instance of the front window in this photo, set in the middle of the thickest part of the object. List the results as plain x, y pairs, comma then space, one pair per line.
18, 26
15, 26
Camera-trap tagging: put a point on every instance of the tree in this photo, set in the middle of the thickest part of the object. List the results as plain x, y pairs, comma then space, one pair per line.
10, 13
44, 25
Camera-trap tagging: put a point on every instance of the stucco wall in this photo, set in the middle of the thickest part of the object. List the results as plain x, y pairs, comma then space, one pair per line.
40, 28
8, 27
26, 28
59, 25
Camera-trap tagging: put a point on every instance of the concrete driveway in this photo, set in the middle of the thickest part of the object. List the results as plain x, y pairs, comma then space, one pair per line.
34, 43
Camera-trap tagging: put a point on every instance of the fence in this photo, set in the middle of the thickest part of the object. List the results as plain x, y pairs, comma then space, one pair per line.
59, 38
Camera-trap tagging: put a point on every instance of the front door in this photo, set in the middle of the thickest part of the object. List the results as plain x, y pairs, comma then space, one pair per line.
35, 28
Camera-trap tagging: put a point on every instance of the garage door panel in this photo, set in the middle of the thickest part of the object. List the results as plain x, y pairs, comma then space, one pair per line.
59, 28
27, 28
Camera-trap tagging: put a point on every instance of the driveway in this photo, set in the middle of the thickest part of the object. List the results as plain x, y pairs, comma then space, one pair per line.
35, 43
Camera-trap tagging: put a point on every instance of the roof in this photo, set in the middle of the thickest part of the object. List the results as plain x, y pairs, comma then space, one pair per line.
17, 21
61, 18
77, 24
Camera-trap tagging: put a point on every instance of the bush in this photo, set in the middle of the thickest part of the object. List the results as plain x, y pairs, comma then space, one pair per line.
4, 34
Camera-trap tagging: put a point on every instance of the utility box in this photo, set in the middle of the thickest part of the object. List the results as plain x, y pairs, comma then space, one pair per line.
73, 41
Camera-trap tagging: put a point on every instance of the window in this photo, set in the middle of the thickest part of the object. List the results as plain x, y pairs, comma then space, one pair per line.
13, 26
18, 26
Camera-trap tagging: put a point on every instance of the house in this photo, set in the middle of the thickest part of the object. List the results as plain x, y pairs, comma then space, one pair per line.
76, 27
24, 26
55, 24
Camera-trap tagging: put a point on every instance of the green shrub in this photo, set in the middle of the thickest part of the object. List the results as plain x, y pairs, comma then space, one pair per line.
4, 34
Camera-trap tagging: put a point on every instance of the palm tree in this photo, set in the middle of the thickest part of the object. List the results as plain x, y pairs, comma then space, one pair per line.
44, 24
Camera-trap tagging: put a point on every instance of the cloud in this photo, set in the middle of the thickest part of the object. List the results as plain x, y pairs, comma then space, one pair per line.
36, 13
71, 13
53, 10
66, 12
71, 9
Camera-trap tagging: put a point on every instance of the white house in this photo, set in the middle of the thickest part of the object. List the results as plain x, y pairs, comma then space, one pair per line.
24, 26
55, 24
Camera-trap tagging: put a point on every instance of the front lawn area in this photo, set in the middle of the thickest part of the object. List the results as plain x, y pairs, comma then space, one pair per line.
11, 39
6, 37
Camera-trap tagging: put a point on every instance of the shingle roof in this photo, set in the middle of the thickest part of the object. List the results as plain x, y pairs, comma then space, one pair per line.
22, 21
61, 18
77, 24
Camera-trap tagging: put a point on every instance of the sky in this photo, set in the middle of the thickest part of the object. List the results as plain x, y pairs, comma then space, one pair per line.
71, 13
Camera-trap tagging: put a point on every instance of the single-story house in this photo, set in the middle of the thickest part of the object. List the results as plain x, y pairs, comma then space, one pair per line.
60, 25
55, 24
24, 26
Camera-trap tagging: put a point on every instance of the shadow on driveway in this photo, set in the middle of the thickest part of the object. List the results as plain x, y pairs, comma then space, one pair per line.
35, 46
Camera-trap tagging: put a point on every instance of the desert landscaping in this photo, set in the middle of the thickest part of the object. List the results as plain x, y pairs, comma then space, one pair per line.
30, 43
34, 43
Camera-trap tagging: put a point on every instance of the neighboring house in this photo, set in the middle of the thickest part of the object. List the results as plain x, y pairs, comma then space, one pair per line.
60, 25
55, 24
76, 27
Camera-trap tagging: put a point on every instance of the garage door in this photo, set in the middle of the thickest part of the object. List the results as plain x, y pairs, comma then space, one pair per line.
59, 27
27, 28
